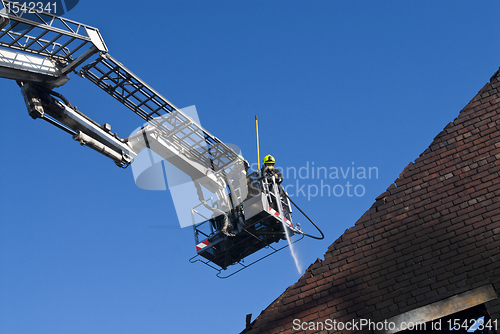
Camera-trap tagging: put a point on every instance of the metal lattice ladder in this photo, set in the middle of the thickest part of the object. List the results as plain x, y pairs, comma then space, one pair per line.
176, 127
64, 41
68, 44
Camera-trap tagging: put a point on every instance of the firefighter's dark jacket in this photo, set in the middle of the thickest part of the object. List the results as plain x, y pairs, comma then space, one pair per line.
268, 172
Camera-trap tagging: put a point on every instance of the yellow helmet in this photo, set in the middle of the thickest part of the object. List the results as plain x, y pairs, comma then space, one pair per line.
269, 159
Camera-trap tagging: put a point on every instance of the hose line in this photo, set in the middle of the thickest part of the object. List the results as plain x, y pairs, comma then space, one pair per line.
307, 235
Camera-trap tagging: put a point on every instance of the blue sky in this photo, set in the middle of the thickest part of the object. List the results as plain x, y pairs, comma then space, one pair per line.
334, 83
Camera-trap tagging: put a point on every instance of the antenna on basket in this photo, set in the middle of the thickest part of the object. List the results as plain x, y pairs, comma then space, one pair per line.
257, 131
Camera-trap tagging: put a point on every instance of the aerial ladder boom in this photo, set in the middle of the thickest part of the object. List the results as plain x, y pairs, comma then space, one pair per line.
175, 126
39, 50
45, 48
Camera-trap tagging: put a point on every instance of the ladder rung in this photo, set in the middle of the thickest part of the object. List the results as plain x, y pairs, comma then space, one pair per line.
77, 48
36, 39
51, 42
63, 46
20, 36
146, 101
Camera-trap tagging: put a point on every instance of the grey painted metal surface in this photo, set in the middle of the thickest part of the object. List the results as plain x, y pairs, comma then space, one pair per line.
27, 67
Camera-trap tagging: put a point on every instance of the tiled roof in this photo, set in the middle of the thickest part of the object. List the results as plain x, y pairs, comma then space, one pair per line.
433, 234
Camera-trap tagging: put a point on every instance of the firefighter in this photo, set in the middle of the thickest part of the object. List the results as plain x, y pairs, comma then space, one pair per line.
269, 171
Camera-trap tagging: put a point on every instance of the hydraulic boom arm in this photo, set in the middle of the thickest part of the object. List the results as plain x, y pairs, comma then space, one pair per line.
40, 49
248, 212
